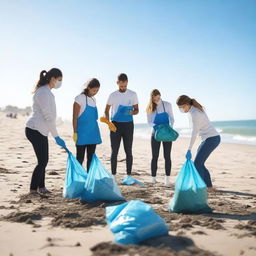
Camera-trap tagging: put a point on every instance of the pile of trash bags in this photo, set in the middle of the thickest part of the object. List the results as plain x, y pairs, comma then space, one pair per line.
100, 185
75, 179
190, 194
134, 222
96, 185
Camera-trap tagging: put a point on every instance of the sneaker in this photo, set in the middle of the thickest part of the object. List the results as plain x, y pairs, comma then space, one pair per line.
114, 177
167, 182
154, 180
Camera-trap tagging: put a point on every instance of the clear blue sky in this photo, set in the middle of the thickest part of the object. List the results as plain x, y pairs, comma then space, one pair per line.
205, 49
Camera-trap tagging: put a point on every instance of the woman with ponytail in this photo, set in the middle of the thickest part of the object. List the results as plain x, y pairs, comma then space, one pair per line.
85, 115
202, 126
160, 112
41, 123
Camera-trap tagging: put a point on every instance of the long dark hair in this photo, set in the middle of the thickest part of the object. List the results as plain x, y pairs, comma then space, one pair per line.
45, 77
92, 83
184, 99
152, 105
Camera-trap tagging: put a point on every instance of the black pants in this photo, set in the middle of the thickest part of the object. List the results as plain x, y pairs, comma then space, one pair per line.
40, 145
80, 152
125, 132
155, 147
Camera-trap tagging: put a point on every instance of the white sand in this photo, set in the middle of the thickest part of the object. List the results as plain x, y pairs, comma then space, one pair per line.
232, 167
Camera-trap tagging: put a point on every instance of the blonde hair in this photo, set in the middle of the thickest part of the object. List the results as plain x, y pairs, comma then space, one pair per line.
152, 105
184, 99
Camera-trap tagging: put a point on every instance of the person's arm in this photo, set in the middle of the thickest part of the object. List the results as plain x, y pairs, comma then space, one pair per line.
170, 112
150, 121
195, 129
135, 110
76, 110
46, 103
107, 108
135, 105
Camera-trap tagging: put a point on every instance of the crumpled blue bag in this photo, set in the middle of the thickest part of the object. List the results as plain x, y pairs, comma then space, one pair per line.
134, 221
100, 185
190, 194
128, 180
164, 132
75, 178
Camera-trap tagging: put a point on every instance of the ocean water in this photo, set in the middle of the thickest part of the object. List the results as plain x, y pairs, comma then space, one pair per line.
240, 132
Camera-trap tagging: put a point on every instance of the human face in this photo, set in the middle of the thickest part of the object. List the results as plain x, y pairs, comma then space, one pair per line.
184, 108
55, 82
122, 86
93, 91
156, 99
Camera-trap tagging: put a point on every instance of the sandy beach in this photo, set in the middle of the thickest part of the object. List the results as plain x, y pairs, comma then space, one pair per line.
52, 225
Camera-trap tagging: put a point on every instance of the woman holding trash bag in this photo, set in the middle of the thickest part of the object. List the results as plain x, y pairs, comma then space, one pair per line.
160, 112
202, 126
43, 121
85, 115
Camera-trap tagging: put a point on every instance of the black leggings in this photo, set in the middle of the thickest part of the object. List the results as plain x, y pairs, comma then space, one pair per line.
80, 152
40, 145
125, 132
155, 146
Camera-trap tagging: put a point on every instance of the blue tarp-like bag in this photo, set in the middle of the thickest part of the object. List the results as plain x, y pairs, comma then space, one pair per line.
75, 178
190, 194
134, 221
128, 180
100, 185
164, 132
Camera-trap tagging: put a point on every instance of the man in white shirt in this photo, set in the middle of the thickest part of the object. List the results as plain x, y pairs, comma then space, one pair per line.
124, 104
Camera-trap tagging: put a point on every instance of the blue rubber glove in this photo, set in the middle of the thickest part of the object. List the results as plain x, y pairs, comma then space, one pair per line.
60, 142
189, 155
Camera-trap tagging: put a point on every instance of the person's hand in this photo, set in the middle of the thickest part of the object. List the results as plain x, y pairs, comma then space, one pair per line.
189, 155
75, 137
60, 142
111, 126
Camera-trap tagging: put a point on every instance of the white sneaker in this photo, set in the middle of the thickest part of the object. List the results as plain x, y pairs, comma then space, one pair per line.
114, 177
154, 180
167, 182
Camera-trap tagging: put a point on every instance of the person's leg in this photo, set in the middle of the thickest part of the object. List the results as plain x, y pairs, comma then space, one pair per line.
128, 140
167, 156
115, 138
46, 154
40, 145
90, 151
204, 151
80, 152
155, 147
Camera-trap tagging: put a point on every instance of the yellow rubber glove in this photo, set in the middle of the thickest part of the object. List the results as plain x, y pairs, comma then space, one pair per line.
75, 137
111, 126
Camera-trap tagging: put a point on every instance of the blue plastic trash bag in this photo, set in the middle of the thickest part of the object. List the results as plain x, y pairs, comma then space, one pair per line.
128, 180
190, 192
134, 221
75, 178
100, 184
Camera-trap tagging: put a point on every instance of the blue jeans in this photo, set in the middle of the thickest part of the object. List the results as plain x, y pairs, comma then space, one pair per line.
203, 152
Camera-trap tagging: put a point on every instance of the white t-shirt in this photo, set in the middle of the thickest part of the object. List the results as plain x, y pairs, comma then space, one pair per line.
200, 125
161, 106
127, 98
81, 100
43, 117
